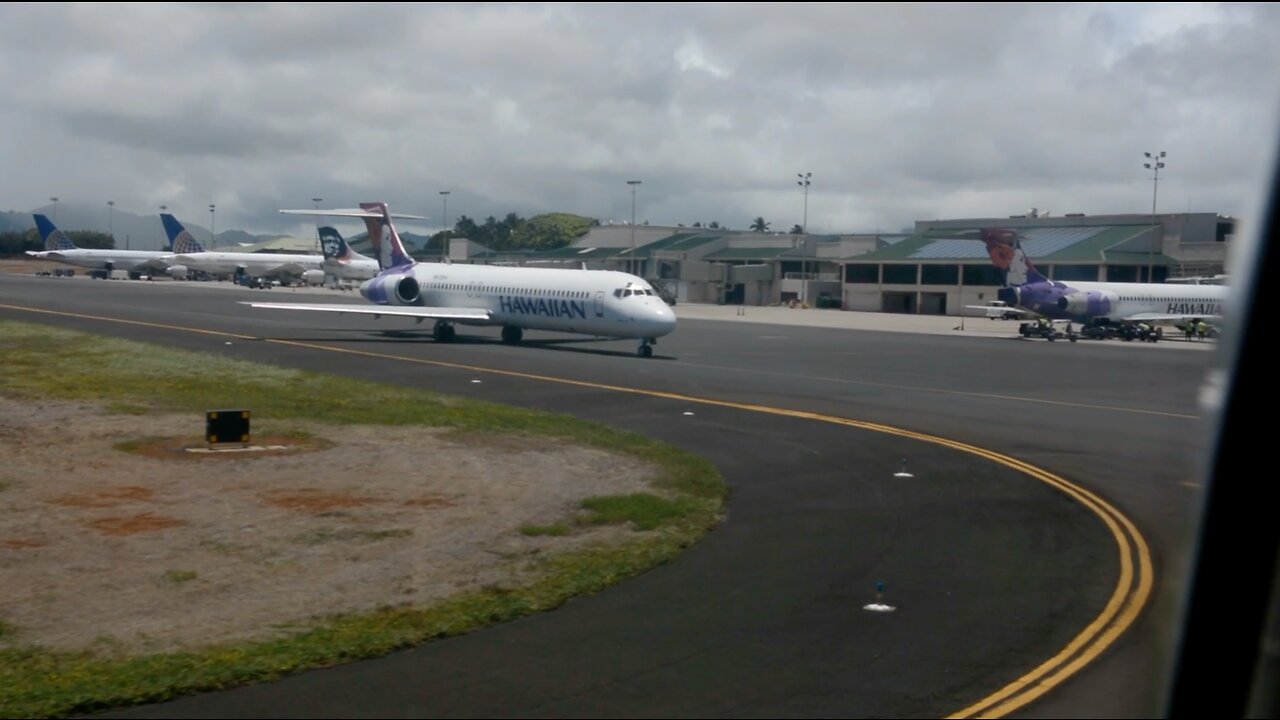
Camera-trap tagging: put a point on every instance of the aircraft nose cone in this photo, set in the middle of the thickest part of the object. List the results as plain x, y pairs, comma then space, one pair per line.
663, 320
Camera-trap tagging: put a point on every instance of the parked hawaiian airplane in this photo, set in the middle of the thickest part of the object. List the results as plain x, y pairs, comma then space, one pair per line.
58, 247
590, 302
1098, 303
190, 254
340, 261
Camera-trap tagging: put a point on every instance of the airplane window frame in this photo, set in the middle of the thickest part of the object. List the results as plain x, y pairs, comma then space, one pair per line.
1243, 655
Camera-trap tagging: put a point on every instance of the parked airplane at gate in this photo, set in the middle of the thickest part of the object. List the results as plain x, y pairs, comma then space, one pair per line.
601, 303
58, 247
1098, 303
189, 253
340, 261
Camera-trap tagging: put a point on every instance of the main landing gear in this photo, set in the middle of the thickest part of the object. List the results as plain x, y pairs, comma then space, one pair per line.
512, 335
444, 332
646, 347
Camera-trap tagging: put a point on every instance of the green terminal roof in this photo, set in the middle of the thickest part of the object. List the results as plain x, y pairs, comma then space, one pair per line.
1090, 249
750, 253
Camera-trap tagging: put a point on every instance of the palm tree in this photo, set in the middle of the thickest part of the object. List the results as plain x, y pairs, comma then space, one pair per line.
797, 230
759, 225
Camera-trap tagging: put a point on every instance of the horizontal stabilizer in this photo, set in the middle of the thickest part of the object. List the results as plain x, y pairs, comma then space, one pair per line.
355, 213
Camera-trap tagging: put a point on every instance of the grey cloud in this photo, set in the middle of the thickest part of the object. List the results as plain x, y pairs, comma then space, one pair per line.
900, 111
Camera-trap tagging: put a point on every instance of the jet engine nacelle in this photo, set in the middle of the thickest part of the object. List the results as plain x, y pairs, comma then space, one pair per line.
1092, 302
313, 277
392, 290
177, 272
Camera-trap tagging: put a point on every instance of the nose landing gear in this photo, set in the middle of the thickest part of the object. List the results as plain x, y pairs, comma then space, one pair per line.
443, 332
646, 347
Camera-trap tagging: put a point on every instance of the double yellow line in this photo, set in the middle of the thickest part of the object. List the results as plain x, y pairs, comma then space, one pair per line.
1132, 591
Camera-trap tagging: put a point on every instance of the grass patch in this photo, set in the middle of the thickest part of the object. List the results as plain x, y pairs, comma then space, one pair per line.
42, 683
177, 577
50, 363
645, 511
554, 530
124, 408
7, 631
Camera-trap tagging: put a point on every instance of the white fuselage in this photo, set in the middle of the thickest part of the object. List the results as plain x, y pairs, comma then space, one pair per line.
1159, 299
102, 259
255, 264
355, 268
592, 302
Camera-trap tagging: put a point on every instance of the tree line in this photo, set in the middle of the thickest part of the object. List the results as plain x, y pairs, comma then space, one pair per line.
541, 232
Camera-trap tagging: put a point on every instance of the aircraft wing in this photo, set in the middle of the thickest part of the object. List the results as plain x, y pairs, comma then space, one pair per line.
434, 313
1009, 308
287, 269
156, 263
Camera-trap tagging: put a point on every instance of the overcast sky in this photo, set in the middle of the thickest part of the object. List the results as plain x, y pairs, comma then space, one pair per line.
900, 112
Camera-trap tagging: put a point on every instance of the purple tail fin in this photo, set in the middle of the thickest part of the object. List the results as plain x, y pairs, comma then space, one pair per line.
384, 238
1004, 247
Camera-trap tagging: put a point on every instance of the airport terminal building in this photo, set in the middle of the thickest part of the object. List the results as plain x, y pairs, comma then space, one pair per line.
937, 269
933, 271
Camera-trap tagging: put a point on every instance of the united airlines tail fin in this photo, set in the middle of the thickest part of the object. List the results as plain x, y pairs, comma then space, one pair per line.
181, 241
382, 234
54, 239
1004, 246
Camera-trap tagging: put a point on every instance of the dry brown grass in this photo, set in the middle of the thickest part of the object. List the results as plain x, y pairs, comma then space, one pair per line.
134, 524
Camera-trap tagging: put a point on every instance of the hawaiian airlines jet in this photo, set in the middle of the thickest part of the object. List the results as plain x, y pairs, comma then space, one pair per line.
590, 302
192, 255
340, 261
58, 247
1095, 302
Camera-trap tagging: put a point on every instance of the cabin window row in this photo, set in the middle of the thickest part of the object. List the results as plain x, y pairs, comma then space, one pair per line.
509, 290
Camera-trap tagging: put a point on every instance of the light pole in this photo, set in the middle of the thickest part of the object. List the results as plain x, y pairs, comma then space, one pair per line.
444, 215
803, 182
317, 201
1157, 162
111, 205
631, 257
213, 228
54, 200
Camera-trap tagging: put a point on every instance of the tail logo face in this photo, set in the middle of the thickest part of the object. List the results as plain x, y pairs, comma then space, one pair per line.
1005, 250
332, 244
386, 242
